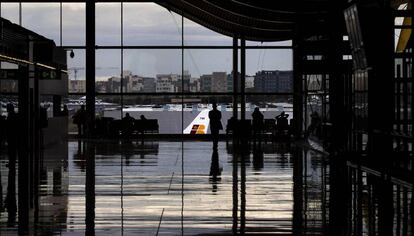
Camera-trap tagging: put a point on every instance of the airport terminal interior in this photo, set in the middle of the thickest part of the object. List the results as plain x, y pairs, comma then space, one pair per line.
208, 117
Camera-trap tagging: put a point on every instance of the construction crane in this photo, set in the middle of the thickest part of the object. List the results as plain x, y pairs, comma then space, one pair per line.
76, 69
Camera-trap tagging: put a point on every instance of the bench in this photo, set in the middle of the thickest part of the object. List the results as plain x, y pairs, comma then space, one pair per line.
108, 127
240, 128
146, 126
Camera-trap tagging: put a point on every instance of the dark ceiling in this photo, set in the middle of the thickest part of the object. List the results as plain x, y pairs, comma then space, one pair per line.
259, 20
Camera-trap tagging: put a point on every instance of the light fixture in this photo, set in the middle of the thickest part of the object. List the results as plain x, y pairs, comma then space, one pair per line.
72, 54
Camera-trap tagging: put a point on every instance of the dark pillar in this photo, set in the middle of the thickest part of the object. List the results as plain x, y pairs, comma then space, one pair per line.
235, 191
243, 160
90, 67
235, 78
381, 82
298, 95
23, 150
336, 29
297, 192
384, 191
243, 79
339, 197
90, 189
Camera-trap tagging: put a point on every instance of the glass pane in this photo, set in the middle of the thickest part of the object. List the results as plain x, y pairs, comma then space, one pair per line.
271, 69
207, 70
108, 24
152, 70
42, 18
10, 11
73, 24
195, 34
150, 24
108, 71
76, 69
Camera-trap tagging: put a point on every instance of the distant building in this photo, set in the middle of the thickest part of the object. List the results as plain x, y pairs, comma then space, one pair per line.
149, 84
194, 85
249, 82
216, 82
185, 81
101, 86
113, 85
219, 82
205, 83
165, 83
77, 86
273, 81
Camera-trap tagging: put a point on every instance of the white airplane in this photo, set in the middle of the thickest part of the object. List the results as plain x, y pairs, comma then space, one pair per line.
200, 124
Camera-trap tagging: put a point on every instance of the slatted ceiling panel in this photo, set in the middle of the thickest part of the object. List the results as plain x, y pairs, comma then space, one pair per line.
227, 27
255, 20
242, 20
253, 12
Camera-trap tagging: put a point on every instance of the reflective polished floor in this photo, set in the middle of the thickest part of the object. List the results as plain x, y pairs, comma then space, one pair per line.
187, 188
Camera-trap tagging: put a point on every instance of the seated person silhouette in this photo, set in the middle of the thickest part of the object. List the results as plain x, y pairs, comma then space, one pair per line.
282, 122
127, 125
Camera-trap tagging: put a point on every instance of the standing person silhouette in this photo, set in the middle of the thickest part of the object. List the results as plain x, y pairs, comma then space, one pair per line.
257, 123
215, 124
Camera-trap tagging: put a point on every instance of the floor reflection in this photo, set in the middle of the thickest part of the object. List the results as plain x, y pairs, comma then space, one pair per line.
189, 188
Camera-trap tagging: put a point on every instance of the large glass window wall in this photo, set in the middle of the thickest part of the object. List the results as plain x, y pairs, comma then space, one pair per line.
150, 58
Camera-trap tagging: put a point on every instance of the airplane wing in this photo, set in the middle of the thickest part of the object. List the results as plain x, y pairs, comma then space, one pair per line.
200, 124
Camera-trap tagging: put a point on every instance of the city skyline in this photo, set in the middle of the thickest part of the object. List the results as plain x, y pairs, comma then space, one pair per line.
216, 81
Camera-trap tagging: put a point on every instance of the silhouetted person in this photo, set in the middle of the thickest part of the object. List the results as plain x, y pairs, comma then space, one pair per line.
282, 123
143, 117
127, 125
215, 124
65, 111
80, 120
257, 123
215, 170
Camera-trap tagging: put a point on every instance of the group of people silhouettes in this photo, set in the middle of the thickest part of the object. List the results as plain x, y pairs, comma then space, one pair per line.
257, 123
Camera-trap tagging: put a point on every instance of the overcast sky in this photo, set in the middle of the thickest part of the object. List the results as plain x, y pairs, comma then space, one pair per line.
144, 24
